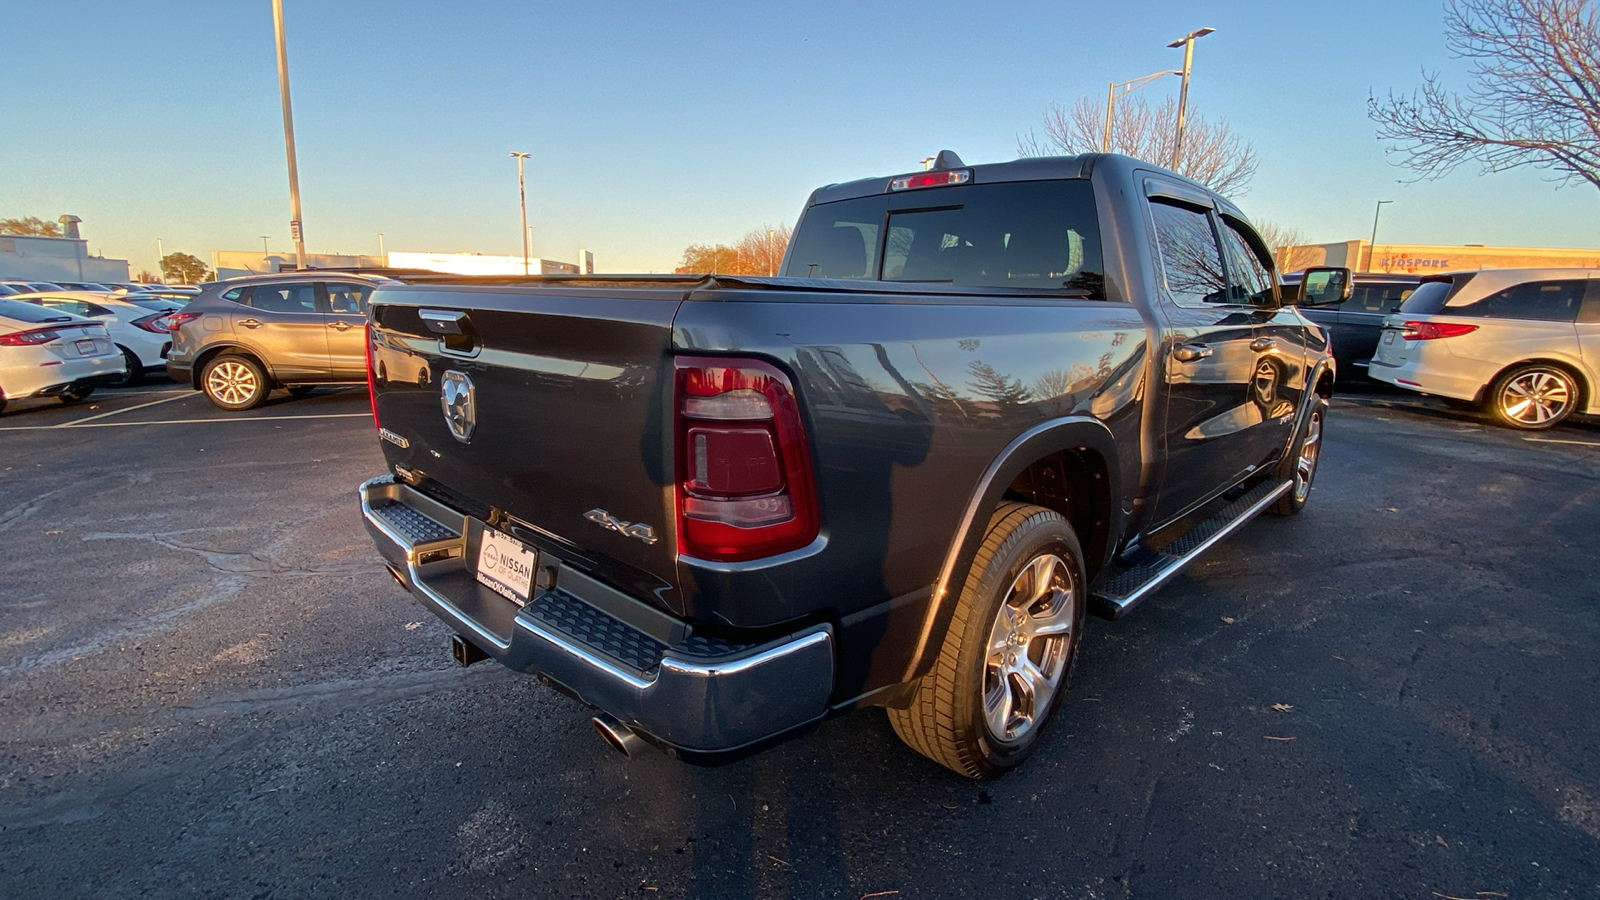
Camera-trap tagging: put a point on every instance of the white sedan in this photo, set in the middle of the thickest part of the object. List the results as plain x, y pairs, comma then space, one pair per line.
137, 324
49, 353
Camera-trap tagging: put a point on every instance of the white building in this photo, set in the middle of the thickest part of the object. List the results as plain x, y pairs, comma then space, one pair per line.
27, 257
479, 264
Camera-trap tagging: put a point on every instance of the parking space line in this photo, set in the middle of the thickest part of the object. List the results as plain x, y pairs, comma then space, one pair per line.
117, 412
359, 415
1560, 441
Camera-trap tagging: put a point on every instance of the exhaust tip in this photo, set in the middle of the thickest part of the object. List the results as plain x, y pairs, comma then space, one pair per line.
622, 739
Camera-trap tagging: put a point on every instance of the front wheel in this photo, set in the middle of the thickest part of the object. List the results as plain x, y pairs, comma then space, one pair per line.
1533, 397
1009, 652
234, 382
1303, 457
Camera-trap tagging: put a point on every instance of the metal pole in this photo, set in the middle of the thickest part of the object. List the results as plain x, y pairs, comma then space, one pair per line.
384, 256
264, 250
161, 256
1183, 102
1372, 245
288, 138
1111, 98
522, 194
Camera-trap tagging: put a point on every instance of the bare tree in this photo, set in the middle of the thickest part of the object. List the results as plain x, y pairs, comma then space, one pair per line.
1286, 242
1213, 154
1533, 95
759, 252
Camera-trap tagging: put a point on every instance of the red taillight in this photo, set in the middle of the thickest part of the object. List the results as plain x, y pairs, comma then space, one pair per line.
176, 320
1432, 331
31, 338
156, 324
372, 383
744, 482
930, 179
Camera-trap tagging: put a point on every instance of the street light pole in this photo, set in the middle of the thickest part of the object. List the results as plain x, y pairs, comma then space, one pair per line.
382, 255
1372, 245
264, 250
161, 257
1187, 43
522, 194
288, 138
1128, 87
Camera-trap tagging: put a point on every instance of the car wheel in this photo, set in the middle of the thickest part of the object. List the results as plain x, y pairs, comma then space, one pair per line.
234, 382
1009, 652
1301, 464
134, 373
301, 390
76, 394
1533, 397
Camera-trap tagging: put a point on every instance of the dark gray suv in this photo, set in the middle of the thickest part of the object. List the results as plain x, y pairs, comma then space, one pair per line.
241, 338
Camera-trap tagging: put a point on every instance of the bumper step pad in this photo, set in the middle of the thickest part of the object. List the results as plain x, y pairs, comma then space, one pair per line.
1120, 588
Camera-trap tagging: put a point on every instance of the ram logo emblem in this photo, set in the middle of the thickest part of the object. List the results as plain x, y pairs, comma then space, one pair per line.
636, 530
459, 400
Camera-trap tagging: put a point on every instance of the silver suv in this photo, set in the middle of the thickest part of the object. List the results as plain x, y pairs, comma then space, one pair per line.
241, 338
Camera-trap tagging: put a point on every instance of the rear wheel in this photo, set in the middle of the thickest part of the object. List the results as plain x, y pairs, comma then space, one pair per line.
1008, 655
135, 373
1305, 455
76, 394
234, 382
1533, 397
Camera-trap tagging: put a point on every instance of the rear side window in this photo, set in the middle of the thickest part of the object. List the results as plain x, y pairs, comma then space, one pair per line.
1034, 235
1190, 259
284, 298
1377, 298
1550, 301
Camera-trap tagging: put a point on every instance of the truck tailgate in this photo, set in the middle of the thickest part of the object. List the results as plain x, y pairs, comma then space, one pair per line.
566, 393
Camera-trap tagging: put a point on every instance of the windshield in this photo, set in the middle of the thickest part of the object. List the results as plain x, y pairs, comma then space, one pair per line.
1036, 235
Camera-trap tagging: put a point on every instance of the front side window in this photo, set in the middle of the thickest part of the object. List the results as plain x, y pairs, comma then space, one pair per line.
284, 298
1550, 301
1190, 259
348, 298
1249, 279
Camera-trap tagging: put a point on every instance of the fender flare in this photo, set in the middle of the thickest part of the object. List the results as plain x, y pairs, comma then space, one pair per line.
1067, 433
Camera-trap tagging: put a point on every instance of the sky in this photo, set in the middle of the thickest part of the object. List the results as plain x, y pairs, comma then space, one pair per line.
653, 126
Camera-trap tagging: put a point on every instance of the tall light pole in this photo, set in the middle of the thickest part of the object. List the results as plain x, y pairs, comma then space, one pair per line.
1372, 245
1187, 43
264, 250
161, 256
522, 194
1128, 87
288, 138
382, 255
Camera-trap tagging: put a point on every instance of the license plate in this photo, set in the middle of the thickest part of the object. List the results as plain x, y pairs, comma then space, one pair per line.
85, 347
1388, 337
506, 567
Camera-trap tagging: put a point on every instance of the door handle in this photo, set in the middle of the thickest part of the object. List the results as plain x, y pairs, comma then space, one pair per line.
341, 325
250, 323
1191, 352
1262, 345
443, 321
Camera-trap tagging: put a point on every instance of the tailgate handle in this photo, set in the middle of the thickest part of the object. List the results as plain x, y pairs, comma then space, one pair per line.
443, 321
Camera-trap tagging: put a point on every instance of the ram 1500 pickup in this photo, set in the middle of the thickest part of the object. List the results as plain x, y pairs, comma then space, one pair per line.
977, 403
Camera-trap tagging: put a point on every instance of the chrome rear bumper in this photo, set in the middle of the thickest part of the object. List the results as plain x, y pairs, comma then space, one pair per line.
700, 697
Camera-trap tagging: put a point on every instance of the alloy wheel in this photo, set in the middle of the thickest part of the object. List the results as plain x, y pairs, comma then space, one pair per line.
1029, 646
232, 382
1305, 468
1537, 397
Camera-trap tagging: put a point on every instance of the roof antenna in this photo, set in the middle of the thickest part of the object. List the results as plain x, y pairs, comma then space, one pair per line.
947, 159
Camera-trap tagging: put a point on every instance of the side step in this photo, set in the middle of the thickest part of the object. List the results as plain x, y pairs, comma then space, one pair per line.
1121, 588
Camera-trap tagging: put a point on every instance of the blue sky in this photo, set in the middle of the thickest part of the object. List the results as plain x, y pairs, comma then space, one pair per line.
657, 125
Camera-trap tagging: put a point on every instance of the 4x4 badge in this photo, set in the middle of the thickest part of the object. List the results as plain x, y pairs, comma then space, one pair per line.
456, 395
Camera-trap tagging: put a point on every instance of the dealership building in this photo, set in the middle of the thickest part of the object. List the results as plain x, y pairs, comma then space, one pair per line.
28, 257
234, 263
1424, 259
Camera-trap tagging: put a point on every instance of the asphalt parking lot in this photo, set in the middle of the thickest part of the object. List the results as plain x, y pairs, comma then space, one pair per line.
210, 688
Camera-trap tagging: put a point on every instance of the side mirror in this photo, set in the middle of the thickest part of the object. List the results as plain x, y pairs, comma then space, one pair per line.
1325, 286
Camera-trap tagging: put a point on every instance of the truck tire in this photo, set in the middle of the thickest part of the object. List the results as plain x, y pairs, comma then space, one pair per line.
1013, 637
235, 382
1301, 463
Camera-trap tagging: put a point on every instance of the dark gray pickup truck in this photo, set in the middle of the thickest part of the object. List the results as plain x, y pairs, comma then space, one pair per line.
979, 402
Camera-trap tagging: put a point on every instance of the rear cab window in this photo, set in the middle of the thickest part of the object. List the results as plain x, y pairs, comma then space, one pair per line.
1030, 235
